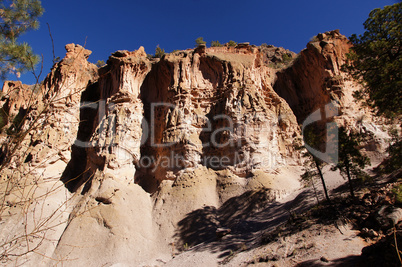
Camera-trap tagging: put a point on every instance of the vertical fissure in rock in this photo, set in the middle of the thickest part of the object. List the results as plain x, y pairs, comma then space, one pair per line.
76, 172
154, 94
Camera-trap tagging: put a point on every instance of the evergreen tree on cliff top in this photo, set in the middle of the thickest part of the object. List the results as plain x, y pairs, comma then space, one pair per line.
375, 60
16, 18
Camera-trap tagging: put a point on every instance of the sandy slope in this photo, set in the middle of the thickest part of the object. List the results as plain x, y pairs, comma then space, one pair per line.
338, 245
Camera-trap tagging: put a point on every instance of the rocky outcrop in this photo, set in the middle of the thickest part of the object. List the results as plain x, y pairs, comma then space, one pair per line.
217, 105
15, 103
170, 127
35, 204
135, 146
315, 77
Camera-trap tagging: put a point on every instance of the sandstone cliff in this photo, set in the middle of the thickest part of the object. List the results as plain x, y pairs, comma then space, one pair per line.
115, 158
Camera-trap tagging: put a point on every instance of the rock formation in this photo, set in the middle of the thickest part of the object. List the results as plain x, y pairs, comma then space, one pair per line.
315, 77
115, 157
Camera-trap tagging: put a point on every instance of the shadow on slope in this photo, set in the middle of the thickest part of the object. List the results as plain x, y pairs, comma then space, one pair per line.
344, 262
247, 216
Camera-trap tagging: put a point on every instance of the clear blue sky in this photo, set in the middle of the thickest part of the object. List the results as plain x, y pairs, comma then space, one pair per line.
105, 26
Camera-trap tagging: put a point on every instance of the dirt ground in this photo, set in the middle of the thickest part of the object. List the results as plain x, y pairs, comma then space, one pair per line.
314, 245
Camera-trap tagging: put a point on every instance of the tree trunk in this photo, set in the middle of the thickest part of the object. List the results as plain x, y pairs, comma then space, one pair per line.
315, 190
349, 180
322, 181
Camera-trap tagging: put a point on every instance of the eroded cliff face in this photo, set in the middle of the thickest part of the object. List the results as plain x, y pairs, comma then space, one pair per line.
213, 104
137, 145
315, 77
35, 203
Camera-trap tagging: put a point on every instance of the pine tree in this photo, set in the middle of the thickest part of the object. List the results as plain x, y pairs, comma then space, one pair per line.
16, 18
308, 178
216, 44
394, 160
159, 52
100, 63
231, 43
350, 161
376, 60
199, 41
313, 165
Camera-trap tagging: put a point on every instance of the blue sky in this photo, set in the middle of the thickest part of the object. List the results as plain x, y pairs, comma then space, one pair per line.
105, 26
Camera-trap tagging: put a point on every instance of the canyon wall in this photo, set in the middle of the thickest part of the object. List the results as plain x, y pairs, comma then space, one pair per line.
120, 155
